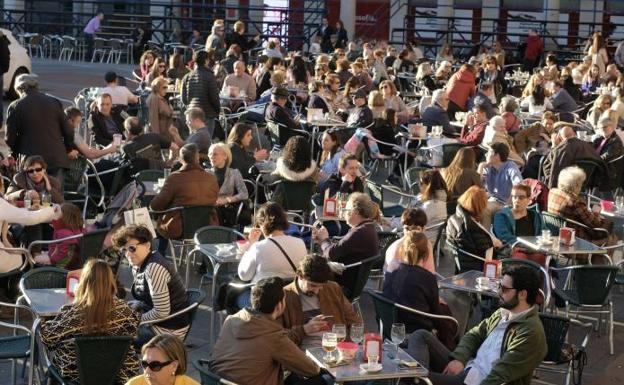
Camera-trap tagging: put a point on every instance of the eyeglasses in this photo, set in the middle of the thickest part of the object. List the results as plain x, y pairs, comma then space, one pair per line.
131, 248
504, 289
33, 170
154, 366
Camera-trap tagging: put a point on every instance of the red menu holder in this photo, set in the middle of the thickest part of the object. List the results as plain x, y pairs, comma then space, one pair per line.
73, 277
567, 236
492, 268
373, 345
330, 208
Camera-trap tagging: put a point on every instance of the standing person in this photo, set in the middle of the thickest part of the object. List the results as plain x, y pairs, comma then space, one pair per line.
37, 125
341, 35
5, 60
460, 88
533, 50
91, 30
238, 37
200, 89
325, 31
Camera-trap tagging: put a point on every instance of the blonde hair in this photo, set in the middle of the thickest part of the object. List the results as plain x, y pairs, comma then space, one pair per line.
239, 26
172, 347
375, 99
424, 69
159, 83
95, 295
389, 83
414, 247
278, 78
226, 150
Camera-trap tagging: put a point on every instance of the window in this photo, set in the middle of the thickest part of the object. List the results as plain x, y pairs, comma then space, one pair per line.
523, 5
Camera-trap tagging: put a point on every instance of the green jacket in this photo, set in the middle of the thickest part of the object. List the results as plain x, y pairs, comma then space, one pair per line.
524, 347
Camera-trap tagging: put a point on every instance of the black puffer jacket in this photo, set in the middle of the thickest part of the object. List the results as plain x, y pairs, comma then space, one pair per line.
200, 89
463, 232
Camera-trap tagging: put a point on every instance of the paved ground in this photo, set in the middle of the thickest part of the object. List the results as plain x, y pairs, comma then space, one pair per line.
65, 80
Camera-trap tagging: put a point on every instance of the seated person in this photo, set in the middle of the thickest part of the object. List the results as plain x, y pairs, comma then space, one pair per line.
496, 132
75, 118
244, 82
566, 201
530, 137
609, 146
330, 155
499, 175
103, 123
243, 155
537, 102
361, 115
474, 130
296, 163
436, 115
504, 348
483, 97
360, 242
508, 107
411, 285
412, 219
191, 185
317, 99
310, 299
461, 173
433, 196
120, 95
95, 310
464, 231
157, 287
200, 135
144, 149
34, 182
253, 335
64, 254
562, 102
277, 113
347, 180
519, 220
277, 254
232, 189
567, 149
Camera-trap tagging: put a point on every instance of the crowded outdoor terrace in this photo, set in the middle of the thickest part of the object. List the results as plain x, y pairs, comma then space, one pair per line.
357, 211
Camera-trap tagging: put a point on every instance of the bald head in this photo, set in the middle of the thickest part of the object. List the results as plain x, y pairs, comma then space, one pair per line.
239, 68
567, 132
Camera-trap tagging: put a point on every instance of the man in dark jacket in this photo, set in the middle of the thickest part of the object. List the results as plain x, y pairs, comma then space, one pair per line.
609, 147
143, 149
567, 150
482, 98
103, 122
562, 102
325, 31
200, 89
37, 125
5, 60
276, 112
361, 116
503, 349
436, 115
347, 180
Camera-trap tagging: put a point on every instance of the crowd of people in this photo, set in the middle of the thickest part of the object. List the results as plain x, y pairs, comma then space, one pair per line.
522, 150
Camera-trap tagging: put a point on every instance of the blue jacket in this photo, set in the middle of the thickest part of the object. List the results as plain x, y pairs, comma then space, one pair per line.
498, 183
504, 226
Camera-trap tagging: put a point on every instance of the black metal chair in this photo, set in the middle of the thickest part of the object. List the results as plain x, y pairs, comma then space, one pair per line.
195, 297
460, 255
354, 278
386, 238
556, 329
17, 346
207, 377
587, 289
449, 150
293, 196
99, 359
213, 235
387, 313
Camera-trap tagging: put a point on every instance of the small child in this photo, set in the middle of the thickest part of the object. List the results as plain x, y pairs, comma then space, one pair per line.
70, 223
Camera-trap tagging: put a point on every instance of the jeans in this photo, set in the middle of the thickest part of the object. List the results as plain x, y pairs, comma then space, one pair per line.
89, 41
425, 348
244, 299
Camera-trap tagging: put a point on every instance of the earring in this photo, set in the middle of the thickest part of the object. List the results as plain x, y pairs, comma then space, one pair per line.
173, 373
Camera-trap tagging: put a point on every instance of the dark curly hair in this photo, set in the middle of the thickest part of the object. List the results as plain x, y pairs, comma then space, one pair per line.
315, 269
271, 217
297, 154
138, 232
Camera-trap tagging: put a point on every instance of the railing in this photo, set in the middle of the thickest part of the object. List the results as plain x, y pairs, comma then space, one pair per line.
53, 17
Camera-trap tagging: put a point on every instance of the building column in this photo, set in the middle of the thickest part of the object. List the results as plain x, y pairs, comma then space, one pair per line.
446, 8
552, 15
347, 15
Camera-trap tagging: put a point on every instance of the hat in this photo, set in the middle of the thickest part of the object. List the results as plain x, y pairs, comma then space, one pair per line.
280, 91
31, 80
360, 93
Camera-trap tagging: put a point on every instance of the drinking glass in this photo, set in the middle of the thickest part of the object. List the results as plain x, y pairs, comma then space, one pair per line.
341, 331
546, 235
166, 172
329, 343
357, 333
398, 335
46, 200
619, 203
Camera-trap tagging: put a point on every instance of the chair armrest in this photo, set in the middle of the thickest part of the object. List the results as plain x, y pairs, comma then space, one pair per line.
170, 316
588, 327
170, 210
241, 285
429, 315
369, 259
21, 250
51, 242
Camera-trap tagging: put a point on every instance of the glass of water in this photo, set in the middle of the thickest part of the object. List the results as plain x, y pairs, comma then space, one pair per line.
166, 172
397, 334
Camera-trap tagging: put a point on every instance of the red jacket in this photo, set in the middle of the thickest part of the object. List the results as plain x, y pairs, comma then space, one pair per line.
534, 47
461, 87
473, 136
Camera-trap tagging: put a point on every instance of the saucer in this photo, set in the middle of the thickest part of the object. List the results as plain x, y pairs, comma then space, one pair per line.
541, 241
371, 368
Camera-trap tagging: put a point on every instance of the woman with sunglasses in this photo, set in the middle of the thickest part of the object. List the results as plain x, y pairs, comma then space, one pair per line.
95, 311
164, 363
393, 100
158, 70
34, 182
157, 287
160, 112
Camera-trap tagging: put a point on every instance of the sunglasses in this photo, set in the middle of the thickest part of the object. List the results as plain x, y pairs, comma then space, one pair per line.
131, 248
33, 170
155, 366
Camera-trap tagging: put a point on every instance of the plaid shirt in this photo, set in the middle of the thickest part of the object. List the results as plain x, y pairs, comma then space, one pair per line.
571, 206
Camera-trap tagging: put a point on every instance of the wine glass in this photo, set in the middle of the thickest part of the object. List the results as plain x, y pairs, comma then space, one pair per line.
398, 335
341, 331
357, 333
619, 203
329, 343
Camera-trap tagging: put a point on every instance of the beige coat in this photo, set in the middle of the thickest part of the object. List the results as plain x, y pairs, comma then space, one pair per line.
254, 349
160, 115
